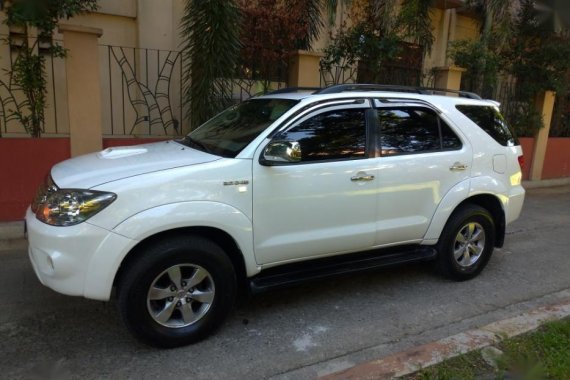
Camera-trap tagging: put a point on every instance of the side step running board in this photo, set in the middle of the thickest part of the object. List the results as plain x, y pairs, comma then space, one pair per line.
291, 274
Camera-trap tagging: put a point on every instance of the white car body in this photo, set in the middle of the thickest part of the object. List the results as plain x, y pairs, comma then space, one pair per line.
274, 214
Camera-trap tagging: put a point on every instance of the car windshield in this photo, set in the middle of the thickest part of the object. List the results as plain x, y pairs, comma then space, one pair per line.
232, 130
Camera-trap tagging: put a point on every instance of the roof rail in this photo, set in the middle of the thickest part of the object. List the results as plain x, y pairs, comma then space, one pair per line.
335, 89
294, 89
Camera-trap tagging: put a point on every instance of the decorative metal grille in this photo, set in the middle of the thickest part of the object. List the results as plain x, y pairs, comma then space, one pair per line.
13, 99
144, 92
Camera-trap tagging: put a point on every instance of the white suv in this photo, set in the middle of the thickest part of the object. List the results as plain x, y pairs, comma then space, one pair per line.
291, 186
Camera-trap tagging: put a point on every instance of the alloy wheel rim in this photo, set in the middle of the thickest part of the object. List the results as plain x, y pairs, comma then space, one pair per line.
181, 295
469, 244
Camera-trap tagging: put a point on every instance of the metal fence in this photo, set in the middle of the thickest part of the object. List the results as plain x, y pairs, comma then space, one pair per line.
142, 92
520, 112
339, 74
13, 99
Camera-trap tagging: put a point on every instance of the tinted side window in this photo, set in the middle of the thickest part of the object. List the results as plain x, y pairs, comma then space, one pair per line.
332, 135
491, 121
449, 139
414, 130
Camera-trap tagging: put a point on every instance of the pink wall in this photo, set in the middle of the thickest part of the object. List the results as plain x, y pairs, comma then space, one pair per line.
24, 164
111, 142
527, 144
557, 159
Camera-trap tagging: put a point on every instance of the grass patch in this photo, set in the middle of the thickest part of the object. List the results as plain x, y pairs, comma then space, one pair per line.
542, 354
469, 366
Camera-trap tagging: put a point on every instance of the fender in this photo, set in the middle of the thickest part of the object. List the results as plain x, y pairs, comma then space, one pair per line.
104, 265
450, 201
460, 193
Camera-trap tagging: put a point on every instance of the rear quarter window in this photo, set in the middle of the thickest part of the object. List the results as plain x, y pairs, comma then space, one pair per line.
491, 121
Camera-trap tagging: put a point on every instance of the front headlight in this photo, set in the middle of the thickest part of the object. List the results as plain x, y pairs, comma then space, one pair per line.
66, 207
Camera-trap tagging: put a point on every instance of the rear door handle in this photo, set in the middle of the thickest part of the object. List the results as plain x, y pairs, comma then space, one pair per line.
458, 166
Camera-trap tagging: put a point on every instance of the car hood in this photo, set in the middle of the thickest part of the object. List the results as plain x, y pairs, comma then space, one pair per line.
116, 163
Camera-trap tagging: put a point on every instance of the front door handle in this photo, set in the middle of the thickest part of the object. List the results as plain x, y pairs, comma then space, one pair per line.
457, 166
361, 177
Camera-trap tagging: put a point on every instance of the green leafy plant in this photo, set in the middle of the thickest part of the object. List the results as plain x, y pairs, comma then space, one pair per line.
520, 49
211, 52
379, 34
270, 32
238, 39
360, 43
28, 69
481, 62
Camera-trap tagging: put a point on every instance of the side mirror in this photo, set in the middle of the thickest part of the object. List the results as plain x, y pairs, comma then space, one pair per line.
281, 152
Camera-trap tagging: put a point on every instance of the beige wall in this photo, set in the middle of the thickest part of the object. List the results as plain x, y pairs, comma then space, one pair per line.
146, 30
56, 118
448, 26
83, 88
440, 27
117, 30
127, 8
467, 28
154, 25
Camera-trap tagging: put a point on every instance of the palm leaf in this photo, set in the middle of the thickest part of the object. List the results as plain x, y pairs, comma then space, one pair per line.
210, 29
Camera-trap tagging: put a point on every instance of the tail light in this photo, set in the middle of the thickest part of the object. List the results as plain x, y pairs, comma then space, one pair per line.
521, 161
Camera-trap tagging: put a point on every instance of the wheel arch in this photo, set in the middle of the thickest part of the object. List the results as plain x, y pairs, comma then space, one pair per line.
223, 223
218, 236
492, 204
463, 194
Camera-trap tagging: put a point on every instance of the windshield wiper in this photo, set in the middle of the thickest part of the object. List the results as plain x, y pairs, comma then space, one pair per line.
190, 142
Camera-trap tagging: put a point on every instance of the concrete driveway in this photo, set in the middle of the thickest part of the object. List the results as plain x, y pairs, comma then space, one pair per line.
298, 333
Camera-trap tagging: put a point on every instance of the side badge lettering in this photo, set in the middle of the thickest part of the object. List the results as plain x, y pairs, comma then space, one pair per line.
236, 183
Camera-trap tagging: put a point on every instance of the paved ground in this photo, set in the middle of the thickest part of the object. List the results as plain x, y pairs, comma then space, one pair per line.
298, 333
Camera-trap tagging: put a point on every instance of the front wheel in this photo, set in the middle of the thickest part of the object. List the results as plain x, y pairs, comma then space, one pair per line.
178, 292
466, 243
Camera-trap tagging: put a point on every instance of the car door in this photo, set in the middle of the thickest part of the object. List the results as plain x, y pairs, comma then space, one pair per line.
326, 202
421, 157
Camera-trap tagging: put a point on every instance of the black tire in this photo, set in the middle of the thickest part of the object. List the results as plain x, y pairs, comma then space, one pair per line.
189, 255
461, 269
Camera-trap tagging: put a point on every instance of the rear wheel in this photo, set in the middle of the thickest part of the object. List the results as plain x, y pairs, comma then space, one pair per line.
466, 243
178, 292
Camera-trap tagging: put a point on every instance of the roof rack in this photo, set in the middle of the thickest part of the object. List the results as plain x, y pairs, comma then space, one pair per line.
335, 89
295, 89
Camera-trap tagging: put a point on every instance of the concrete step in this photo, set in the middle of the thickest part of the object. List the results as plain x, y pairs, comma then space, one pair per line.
12, 236
12, 230
13, 245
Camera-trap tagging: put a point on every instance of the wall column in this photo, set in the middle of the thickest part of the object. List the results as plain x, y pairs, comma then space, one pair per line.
448, 77
544, 105
83, 88
304, 69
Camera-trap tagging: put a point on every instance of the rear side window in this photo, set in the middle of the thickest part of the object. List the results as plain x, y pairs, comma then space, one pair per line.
491, 121
414, 130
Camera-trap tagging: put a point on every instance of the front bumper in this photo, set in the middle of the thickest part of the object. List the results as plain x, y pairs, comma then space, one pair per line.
79, 260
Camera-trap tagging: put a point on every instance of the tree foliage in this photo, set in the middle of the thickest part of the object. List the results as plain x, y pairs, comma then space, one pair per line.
211, 52
378, 34
520, 47
482, 62
482, 57
271, 31
243, 39
28, 69
414, 23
